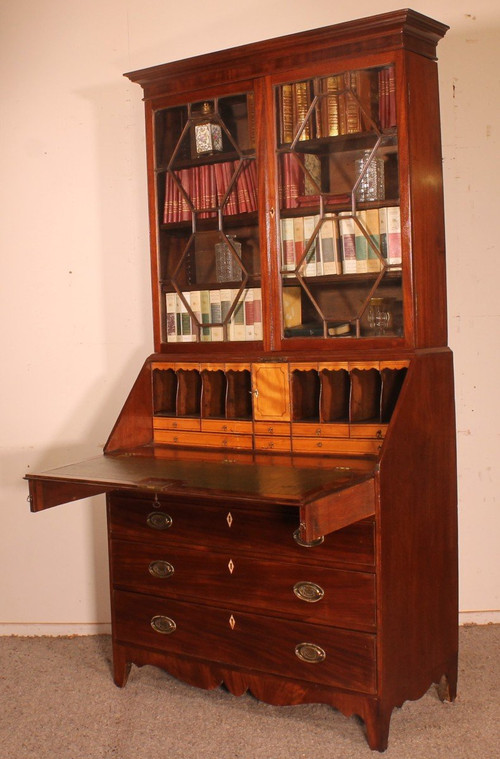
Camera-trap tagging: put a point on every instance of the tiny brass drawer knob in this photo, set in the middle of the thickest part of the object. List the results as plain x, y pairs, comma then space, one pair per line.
158, 520
310, 653
161, 569
163, 625
308, 591
306, 543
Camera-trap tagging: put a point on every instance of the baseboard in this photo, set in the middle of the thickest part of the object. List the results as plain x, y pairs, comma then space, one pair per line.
52, 629
491, 617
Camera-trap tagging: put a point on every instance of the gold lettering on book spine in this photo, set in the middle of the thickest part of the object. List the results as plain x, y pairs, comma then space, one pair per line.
330, 109
286, 113
302, 101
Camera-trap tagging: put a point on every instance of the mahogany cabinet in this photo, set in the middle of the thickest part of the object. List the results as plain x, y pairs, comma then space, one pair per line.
281, 481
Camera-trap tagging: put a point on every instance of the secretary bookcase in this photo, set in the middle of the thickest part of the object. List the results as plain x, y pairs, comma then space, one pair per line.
281, 481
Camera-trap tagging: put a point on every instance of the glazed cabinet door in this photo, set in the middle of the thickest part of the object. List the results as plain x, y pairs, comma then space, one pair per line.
205, 201
339, 196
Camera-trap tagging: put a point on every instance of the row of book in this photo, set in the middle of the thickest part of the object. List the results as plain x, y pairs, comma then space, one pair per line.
207, 319
342, 243
208, 187
345, 103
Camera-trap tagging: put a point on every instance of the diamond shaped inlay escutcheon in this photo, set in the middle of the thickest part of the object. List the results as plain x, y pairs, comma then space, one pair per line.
229, 519
230, 566
232, 622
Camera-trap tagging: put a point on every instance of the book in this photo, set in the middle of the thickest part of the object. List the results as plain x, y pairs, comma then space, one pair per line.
372, 226
186, 328
216, 316
257, 313
329, 247
330, 126
237, 324
249, 314
394, 236
205, 332
361, 243
287, 244
292, 180
312, 173
292, 306
308, 268
286, 111
311, 329
298, 239
171, 317
339, 330
347, 235
195, 303
301, 104
226, 301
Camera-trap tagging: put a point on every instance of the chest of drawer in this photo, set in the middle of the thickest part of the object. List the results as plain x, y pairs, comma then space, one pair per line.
312, 653
306, 592
256, 530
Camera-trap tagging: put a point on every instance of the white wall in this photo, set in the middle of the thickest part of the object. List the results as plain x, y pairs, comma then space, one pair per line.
75, 299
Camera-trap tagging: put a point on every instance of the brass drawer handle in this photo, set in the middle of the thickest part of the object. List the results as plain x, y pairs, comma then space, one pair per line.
306, 543
161, 569
158, 520
163, 625
308, 591
310, 653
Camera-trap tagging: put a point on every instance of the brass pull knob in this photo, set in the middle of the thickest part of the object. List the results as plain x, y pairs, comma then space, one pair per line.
310, 653
307, 543
308, 591
161, 569
158, 520
163, 625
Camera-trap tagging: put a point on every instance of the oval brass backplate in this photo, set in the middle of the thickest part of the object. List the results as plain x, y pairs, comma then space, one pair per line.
158, 520
163, 625
310, 653
161, 569
308, 591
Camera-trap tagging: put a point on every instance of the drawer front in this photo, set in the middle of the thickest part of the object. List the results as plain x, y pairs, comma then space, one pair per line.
256, 531
175, 423
309, 594
341, 447
272, 443
204, 439
307, 429
227, 425
302, 651
282, 429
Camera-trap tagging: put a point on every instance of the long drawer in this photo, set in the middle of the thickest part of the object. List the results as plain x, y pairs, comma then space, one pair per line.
314, 653
307, 593
257, 531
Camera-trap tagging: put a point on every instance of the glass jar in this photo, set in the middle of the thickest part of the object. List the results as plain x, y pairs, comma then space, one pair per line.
371, 177
227, 268
380, 315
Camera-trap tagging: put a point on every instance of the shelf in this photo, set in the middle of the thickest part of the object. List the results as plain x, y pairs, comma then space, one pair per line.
205, 160
344, 143
207, 225
389, 278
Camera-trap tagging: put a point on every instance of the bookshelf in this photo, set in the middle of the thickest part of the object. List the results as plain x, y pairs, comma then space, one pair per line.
282, 475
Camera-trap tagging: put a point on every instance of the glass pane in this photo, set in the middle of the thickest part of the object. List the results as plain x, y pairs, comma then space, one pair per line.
339, 205
208, 238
